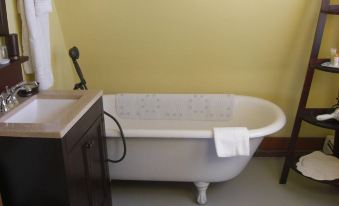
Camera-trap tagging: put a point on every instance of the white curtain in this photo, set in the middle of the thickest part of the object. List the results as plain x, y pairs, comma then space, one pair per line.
36, 39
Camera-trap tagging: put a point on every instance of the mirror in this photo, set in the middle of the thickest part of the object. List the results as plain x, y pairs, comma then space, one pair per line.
3, 18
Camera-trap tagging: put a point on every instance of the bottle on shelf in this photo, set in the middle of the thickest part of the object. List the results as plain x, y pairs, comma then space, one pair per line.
333, 54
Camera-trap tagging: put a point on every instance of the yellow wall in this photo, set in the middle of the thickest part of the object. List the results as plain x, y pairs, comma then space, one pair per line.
248, 47
258, 48
62, 68
64, 75
12, 16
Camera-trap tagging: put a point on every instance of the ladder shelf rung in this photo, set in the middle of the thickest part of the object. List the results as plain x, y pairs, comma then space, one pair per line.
332, 9
316, 64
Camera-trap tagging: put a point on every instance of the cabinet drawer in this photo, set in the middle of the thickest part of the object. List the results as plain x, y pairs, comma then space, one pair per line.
80, 128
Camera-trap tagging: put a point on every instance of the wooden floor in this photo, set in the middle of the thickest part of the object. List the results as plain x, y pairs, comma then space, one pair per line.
256, 185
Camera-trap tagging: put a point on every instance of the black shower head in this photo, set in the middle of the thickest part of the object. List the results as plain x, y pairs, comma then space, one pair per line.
74, 53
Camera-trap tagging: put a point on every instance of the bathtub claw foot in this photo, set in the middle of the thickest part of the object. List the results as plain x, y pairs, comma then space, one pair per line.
202, 188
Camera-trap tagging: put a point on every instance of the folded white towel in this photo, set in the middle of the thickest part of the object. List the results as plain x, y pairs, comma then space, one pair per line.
319, 166
232, 141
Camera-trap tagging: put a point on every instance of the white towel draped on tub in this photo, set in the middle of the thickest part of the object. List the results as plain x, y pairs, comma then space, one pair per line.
35, 39
232, 141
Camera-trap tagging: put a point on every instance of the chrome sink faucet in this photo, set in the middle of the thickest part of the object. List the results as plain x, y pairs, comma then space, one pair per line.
8, 99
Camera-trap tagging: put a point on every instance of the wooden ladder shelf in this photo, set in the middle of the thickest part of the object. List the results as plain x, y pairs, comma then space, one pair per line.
309, 114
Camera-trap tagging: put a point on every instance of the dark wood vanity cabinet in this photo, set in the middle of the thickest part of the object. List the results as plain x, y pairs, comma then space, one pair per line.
70, 171
85, 162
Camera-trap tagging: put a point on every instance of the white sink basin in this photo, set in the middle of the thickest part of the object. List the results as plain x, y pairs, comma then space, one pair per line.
41, 111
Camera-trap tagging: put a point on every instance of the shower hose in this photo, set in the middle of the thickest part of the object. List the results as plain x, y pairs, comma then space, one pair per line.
84, 87
74, 54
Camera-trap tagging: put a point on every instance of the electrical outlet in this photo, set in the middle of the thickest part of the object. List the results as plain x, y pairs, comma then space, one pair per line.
328, 144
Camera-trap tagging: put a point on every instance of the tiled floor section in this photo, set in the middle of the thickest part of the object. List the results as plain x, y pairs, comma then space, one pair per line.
256, 185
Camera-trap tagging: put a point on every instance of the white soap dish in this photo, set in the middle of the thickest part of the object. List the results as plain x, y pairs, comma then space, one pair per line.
329, 64
4, 61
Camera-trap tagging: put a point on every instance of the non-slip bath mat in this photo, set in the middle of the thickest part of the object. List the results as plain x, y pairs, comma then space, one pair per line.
196, 107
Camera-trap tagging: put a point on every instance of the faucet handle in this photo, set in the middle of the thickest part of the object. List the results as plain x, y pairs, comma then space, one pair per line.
28, 89
5, 92
9, 98
8, 90
3, 104
28, 86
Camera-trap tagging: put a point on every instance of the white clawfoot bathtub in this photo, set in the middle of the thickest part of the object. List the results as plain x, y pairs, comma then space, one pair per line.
181, 150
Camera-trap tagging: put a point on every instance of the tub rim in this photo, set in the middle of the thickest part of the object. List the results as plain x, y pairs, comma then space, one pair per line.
278, 123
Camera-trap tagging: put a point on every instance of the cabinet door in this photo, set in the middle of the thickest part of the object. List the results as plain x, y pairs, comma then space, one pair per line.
95, 161
87, 169
77, 175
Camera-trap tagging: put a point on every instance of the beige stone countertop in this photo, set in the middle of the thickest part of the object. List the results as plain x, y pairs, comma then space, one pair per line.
58, 126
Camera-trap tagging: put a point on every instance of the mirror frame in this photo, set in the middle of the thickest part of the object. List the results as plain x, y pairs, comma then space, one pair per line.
10, 74
3, 18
